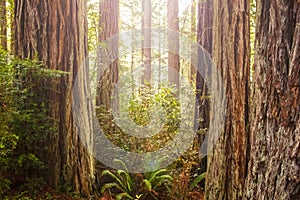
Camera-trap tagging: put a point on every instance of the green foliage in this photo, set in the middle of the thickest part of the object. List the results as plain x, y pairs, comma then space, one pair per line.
158, 98
122, 181
157, 108
157, 181
137, 186
197, 180
93, 24
4, 185
24, 124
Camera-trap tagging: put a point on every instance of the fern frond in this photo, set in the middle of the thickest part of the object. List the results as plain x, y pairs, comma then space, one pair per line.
122, 163
156, 173
107, 172
197, 180
123, 195
127, 178
147, 184
110, 185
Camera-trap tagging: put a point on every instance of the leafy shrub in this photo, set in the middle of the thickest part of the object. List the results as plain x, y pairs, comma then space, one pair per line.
160, 102
24, 123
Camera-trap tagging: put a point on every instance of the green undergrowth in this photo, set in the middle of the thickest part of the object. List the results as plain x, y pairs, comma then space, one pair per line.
24, 123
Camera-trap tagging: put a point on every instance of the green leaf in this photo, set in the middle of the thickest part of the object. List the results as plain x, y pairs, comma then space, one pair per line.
107, 172
156, 173
123, 195
148, 184
110, 185
127, 177
197, 180
122, 163
163, 179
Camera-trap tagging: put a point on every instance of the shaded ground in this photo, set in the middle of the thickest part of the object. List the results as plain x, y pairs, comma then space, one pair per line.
46, 193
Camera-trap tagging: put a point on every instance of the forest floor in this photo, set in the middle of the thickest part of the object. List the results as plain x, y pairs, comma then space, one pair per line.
47, 193
43, 193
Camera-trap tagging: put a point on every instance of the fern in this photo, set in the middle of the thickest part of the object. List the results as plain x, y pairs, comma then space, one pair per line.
147, 184
122, 164
197, 180
127, 178
109, 186
118, 179
130, 189
157, 180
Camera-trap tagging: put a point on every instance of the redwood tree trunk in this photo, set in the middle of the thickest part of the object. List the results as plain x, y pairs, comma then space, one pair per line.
109, 26
3, 24
274, 166
146, 25
56, 33
205, 23
193, 36
204, 38
173, 42
231, 55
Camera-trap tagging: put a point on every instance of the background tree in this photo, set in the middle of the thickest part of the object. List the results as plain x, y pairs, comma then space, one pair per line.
274, 168
173, 42
3, 24
193, 35
230, 52
146, 51
55, 32
204, 38
205, 23
109, 26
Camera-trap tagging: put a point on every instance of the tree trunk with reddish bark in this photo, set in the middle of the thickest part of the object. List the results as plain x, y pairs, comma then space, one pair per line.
55, 32
109, 27
173, 42
231, 55
274, 166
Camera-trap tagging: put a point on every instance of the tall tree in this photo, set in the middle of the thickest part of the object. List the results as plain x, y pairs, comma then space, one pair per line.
109, 27
227, 161
193, 70
3, 24
146, 25
55, 32
205, 24
274, 166
173, 42
204, 38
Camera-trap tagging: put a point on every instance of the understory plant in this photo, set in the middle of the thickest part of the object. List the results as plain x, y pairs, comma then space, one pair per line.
125, 185
189, 176
157, 108
24, 123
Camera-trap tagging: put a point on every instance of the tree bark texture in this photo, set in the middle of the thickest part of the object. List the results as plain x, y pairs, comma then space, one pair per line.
109, 27
231, 55
146, 25
193, 36
204, 38
55, 32
3, 25
173, 42
274, 166
205, 23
